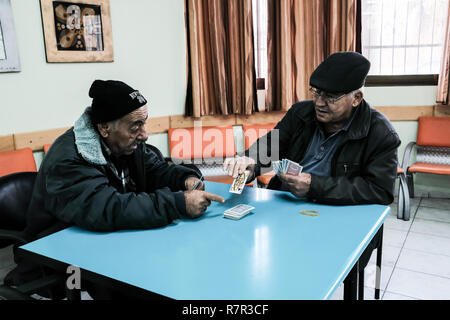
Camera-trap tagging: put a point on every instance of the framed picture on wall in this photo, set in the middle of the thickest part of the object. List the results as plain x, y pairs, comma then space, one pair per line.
77, 30
9, 55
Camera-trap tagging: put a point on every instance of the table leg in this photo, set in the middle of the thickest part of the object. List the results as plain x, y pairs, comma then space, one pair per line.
351, 283
378, 271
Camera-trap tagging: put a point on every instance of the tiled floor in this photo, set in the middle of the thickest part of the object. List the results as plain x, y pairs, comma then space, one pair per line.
416, 255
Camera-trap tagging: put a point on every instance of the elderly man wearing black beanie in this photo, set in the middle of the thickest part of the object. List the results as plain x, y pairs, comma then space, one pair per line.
100, 175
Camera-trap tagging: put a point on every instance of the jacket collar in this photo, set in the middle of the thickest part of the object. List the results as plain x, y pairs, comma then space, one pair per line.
87, 139
359, 127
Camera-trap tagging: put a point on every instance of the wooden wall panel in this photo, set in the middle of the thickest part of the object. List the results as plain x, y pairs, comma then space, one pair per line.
157, 125
7, 143
261, 117
181, 121
407, 113
36, 140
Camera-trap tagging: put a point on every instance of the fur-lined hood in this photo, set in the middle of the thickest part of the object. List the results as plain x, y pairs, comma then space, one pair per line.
87, 139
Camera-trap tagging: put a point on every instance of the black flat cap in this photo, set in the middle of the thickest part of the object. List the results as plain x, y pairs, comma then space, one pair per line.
111, 100
341, 72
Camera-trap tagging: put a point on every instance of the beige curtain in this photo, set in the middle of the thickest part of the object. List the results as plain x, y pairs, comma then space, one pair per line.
221, 76
442, 94
301, 34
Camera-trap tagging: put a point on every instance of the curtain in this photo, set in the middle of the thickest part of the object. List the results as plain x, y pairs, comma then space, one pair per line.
442, 94
300, 35
221, 76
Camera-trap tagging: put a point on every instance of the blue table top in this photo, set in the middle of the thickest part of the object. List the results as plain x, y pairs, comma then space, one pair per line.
273, 253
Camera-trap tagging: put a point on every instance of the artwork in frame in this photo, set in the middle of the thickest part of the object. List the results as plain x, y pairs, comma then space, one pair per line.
9, 54
77, 30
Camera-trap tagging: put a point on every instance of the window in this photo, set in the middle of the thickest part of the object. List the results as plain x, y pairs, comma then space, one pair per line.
403, 37
260, 36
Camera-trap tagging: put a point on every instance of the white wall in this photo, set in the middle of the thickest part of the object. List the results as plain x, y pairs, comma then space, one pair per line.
149, 55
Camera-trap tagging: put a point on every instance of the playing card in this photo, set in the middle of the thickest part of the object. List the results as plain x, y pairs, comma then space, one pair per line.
239, 183
293, 168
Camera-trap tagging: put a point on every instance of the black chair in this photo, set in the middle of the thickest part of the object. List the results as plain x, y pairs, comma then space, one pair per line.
15, 195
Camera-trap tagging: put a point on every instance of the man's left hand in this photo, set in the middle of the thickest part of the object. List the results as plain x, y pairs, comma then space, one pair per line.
297, 185
191, 181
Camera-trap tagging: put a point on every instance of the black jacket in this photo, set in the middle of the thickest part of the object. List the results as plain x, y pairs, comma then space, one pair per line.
77, 186
364, 167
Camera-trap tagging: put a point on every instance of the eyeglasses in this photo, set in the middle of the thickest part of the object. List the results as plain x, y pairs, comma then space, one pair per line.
327, 97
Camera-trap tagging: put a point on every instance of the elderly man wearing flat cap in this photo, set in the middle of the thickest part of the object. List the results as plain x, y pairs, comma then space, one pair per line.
347, 149
100, 175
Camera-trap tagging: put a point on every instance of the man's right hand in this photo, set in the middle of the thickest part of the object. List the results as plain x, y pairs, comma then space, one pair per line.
197, 201
237, 165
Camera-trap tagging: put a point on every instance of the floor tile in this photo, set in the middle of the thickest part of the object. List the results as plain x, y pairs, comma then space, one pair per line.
338, 294
394, 296
394, 238
433, 214
434, 228
389, 256
428, 243
436, 203
419, 285
434, 264
370, 276
392, 222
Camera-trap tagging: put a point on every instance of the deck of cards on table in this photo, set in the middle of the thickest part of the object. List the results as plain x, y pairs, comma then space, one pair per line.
287, 166
239, 183
238, 211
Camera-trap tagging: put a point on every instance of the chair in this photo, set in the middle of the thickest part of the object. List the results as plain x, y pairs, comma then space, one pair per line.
15, 195
206, 147
432, 154
17, 161
253, 132
403, 194
46, 147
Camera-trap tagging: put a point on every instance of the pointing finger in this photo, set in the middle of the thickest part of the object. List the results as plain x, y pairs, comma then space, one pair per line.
214, 197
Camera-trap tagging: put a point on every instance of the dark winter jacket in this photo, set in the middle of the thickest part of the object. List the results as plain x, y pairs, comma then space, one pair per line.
76, 185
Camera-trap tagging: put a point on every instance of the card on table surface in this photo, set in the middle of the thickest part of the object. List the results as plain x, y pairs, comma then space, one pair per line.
238, 211
239, 183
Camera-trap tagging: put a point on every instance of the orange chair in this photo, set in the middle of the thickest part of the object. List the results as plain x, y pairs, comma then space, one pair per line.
206, 147
433, 153
253, 132
21, 160
46, 147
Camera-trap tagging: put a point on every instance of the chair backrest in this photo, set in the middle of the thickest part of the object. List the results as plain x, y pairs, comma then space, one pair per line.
15, 195
46, 147
434, 132
253, 132
20, 160
201, 142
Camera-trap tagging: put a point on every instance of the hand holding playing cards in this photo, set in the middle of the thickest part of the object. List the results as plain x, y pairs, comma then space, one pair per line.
237, 165
197, 201
297, 185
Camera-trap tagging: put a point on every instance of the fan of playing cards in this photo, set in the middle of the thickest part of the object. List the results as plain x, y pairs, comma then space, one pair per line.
287, 166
